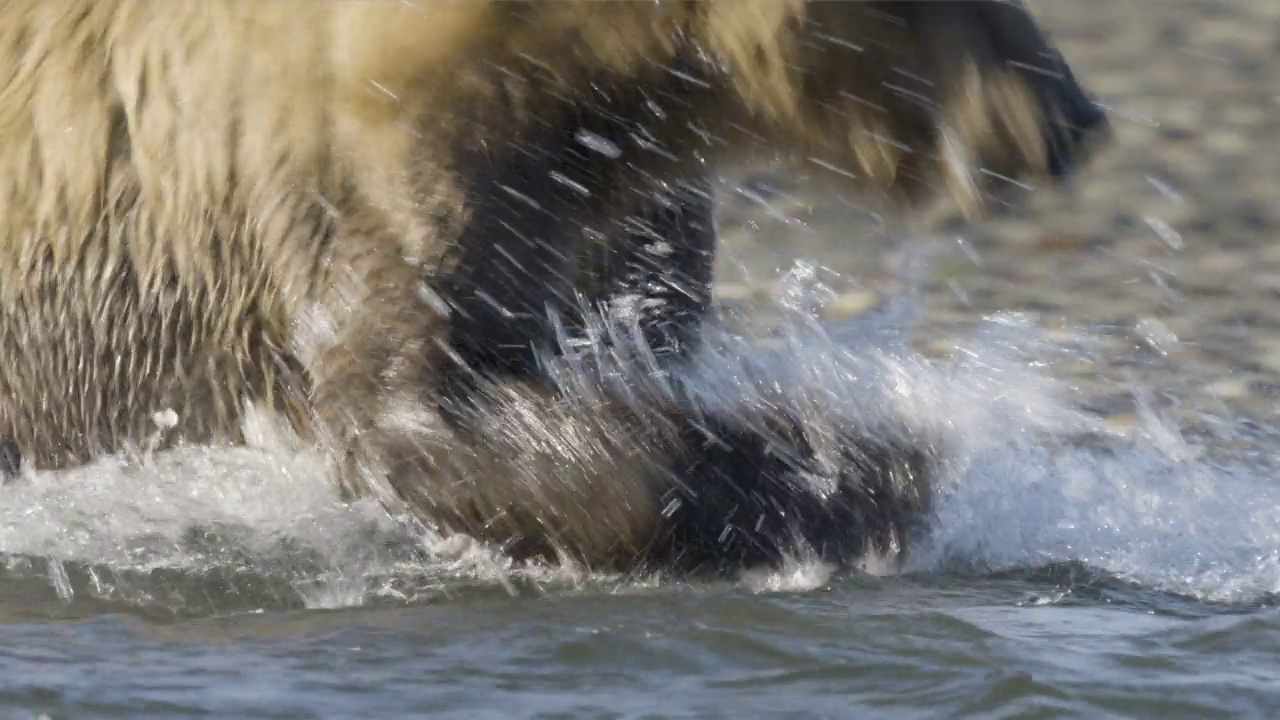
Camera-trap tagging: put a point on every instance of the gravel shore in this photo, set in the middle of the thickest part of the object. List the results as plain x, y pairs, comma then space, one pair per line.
1165, 247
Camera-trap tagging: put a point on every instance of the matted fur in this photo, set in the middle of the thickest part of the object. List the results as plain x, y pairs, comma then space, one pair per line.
207, 204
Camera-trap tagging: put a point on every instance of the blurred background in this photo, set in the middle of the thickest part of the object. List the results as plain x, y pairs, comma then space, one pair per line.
1166, 249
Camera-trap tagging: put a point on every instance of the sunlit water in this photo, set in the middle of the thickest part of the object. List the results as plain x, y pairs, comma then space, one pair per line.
1073, 569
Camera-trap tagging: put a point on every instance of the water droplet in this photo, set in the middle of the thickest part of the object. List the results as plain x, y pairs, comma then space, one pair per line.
1165, 189
1166, 233
166, 419
521, 197
570, 183
1157, 335
599, 144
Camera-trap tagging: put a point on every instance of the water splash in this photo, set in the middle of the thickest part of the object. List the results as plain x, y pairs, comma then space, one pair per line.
1029, 480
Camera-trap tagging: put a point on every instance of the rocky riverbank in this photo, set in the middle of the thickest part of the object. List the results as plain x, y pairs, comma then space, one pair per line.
1167, 247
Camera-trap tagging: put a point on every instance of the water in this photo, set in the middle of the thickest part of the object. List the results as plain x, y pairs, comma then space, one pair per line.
1076, 567
1106, 542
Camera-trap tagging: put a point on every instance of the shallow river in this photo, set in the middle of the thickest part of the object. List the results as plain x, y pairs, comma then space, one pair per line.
1104, 364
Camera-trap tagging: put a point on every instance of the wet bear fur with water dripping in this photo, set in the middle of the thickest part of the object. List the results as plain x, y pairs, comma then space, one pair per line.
360, 217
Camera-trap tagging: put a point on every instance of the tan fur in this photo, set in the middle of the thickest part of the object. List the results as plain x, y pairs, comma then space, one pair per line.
210, 203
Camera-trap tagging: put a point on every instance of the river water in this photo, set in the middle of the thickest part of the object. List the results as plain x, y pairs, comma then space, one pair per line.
1104, 364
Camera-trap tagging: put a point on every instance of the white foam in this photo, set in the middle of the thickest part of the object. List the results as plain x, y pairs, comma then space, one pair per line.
1021, 489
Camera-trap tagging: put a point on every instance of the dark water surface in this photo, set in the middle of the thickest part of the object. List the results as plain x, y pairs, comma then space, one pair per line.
1056, 643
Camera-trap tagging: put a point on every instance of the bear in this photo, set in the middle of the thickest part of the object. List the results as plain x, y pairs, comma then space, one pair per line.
375, 222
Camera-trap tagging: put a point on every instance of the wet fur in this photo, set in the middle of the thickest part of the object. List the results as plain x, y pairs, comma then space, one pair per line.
358, 215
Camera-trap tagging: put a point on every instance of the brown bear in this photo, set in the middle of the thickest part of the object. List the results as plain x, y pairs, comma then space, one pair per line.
368, 220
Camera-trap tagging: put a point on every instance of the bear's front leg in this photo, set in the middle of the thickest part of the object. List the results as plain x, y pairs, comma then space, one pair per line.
555, 219
658, 268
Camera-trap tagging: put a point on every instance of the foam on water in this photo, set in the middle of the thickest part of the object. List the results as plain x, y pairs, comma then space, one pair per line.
1149, 508
1029, 480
